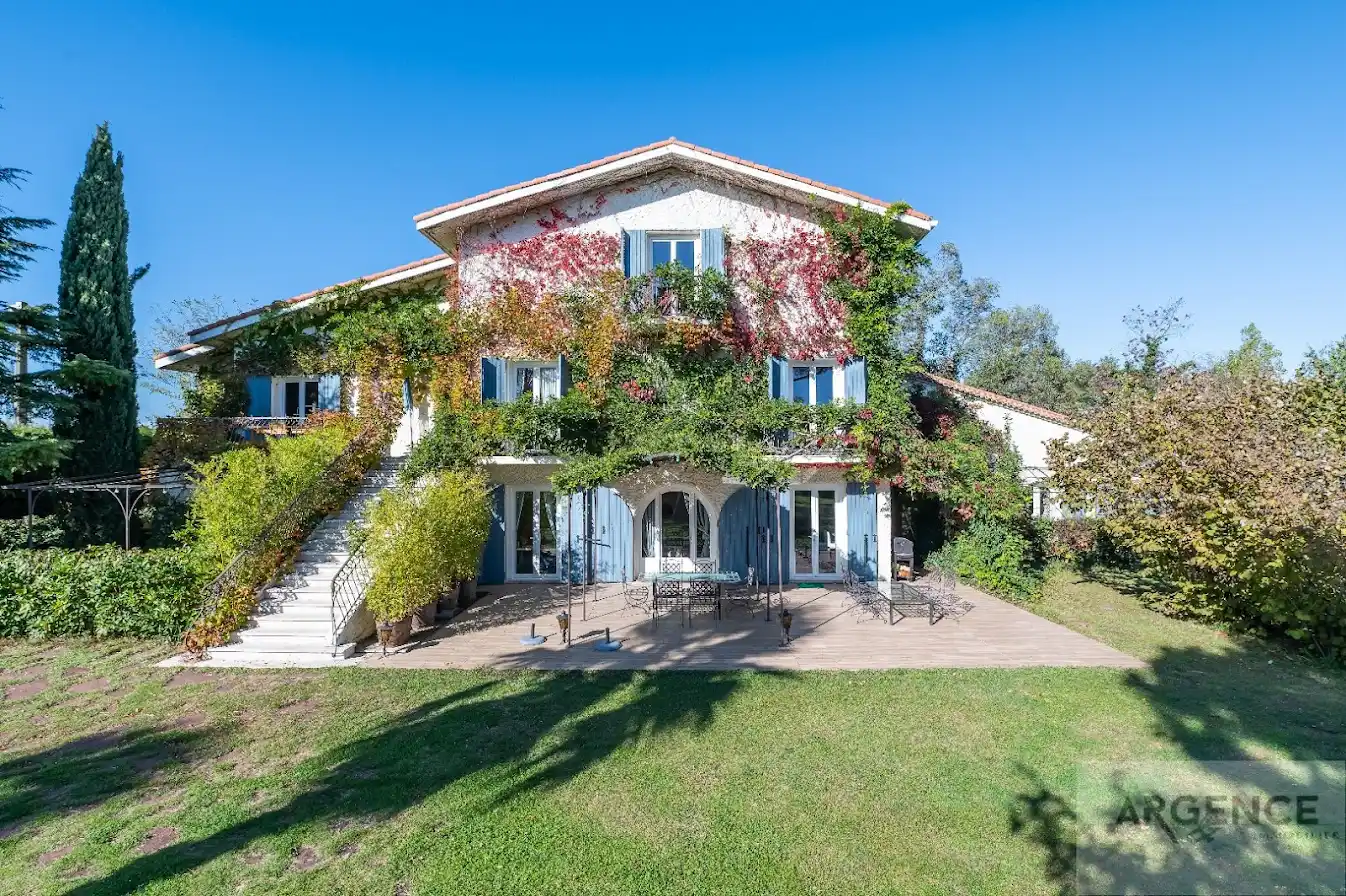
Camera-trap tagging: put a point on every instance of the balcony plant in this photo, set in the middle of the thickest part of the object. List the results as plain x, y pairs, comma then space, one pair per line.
424, 538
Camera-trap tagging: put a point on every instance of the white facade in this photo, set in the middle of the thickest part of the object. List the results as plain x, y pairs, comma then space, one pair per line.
1029, 434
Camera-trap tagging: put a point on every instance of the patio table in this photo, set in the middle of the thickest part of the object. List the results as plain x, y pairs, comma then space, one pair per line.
690, 577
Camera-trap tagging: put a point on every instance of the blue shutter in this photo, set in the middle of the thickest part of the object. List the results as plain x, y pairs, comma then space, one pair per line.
493, 555
329, 392
862, 530
779, 376
857, 381
563, 366
492, 376
712, 249
612, 536
637, 253
406, 396
259, 396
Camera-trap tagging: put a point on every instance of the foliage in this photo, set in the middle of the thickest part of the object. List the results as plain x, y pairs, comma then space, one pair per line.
47, 533
94, 297
16, 252
1229, 490
423, 538
241, 490
964, 304
1255, 357
1084, 543
99, 591
996, 556
1149, 352
214, 395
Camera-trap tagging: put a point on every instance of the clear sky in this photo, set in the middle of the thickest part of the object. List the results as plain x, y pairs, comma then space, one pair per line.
1090, 156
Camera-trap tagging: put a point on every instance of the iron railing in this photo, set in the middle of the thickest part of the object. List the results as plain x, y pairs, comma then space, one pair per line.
282, 536
348, 590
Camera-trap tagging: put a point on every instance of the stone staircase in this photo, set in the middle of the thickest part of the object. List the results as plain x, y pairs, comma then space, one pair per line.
293, 622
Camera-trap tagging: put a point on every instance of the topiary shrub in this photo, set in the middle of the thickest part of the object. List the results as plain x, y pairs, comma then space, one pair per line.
995, 556
422, 539
100, 591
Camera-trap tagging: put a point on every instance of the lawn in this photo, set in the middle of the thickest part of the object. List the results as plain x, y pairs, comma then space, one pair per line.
118, 777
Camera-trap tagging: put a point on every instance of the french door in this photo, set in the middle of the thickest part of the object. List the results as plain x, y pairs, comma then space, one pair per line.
817, 536
534, 539
676, 526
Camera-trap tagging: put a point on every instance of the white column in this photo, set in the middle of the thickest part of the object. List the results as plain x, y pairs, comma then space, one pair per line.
884, 531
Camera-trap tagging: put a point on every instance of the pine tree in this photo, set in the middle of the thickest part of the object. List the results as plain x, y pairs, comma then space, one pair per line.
97, 321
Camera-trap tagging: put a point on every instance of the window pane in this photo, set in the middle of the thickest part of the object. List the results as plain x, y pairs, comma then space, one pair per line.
547, 529
823, 385
310, 396
800, 376
291, 399
647, 531
803, 528
677, 528
827, 531
523, 533
661, 252
550, 382
523, 382
686, 254
702, 532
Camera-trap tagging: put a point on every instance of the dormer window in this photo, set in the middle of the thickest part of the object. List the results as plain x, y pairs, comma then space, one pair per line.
534, 380
675, 248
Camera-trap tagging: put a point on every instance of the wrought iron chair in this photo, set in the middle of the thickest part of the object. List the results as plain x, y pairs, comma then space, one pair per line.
746, 593
635, 593
942, 595
866, 598
704, 596
668, 594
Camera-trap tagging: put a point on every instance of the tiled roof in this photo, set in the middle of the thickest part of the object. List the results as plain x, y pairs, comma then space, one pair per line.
671, 141
317, 292
1003, 400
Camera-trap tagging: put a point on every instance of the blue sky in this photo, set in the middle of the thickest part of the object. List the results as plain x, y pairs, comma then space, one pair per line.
1088, 156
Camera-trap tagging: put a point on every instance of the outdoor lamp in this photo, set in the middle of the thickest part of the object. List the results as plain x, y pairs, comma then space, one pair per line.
563, 623
385, 629
786, 618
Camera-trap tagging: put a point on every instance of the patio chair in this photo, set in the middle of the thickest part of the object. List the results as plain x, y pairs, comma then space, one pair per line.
636, 593
666, 594
942, 594
746, 593
865, 597
704, 596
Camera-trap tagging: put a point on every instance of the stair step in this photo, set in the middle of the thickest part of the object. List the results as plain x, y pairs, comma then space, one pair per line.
287, 641
290, 611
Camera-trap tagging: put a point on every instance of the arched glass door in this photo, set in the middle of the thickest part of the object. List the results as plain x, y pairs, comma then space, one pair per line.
676, 525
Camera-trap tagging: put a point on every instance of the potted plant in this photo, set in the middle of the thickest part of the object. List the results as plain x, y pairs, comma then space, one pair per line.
423, 538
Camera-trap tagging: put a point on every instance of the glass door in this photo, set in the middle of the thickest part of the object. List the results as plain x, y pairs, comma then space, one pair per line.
535, 547
676, 526
815, 536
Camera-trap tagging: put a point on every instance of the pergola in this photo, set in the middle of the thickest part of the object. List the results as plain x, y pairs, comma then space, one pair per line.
126, 489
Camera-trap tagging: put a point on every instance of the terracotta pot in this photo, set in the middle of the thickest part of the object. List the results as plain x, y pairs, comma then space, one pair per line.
424, 616
398, 633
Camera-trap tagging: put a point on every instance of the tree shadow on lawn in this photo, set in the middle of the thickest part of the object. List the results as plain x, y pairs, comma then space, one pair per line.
472, 732
93, 769
1247, 703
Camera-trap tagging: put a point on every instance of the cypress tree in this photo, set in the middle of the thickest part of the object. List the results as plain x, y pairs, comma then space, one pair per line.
94, 301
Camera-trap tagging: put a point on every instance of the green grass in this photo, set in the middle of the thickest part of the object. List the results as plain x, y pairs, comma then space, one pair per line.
428, 782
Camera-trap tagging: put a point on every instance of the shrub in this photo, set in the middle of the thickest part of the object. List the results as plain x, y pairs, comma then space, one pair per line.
422, 539
1227, 488
47, 533
1085, 543
996, 556
241, 490
100, 591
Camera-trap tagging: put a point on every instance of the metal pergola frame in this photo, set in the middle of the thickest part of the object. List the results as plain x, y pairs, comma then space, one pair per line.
127, 489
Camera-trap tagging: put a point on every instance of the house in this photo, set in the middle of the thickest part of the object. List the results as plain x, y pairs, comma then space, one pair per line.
655, 205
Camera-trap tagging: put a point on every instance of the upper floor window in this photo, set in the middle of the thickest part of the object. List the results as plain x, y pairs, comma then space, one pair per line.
295, 396
674, 248
814, 383
534, 380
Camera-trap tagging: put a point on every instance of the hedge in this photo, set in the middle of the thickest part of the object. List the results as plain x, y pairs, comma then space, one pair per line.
100, 591
47, 533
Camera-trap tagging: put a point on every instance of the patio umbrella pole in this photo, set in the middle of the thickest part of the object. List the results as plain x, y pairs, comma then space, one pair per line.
780, 554
569, 563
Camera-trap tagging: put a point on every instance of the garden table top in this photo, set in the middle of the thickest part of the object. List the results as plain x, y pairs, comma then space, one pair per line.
728, 577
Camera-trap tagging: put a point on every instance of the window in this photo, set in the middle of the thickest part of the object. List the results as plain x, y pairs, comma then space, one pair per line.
813, 383
537, 381
679, 249
676, 525
295, 397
